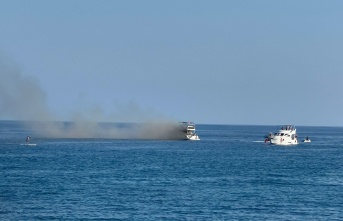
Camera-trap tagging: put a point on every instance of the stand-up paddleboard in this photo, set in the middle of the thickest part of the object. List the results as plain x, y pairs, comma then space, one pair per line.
28, 144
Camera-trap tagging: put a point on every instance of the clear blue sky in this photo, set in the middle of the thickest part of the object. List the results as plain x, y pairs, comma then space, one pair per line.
221, 62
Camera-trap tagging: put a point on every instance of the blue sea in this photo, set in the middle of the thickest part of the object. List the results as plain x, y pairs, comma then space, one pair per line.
230, 174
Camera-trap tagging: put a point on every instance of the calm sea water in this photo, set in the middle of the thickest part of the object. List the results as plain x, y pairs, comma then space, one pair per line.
231, 174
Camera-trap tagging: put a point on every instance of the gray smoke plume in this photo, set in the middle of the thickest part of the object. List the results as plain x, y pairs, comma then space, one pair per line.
22, 98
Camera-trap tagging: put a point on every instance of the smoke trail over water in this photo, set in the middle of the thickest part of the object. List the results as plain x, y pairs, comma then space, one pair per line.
22, 98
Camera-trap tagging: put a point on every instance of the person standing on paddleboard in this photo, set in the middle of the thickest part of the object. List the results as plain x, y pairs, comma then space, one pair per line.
27, 139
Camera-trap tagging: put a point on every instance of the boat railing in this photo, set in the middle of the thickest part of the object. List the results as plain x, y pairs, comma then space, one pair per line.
288, 128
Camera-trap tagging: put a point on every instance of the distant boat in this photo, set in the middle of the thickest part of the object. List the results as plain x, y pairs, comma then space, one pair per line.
268, 137
287, 135
307, 140
189, 129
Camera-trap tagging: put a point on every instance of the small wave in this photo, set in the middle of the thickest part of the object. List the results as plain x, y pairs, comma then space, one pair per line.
258, 141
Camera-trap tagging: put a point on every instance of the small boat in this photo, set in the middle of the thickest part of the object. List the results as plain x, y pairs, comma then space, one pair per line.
287, 135
268, 137
307, 140
189, 129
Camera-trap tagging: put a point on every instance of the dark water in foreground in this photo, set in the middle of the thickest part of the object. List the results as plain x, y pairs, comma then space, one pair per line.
228, 175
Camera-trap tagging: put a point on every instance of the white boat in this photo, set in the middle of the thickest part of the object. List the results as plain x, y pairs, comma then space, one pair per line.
307, 140
287, 135
189, 129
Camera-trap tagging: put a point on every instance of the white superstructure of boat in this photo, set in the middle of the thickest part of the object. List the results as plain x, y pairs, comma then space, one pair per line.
287, 135
189, 129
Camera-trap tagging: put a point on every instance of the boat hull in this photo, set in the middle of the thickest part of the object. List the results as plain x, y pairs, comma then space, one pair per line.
193, 137
283, 142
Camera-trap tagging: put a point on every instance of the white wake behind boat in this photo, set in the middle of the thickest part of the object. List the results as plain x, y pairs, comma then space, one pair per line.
285, 136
